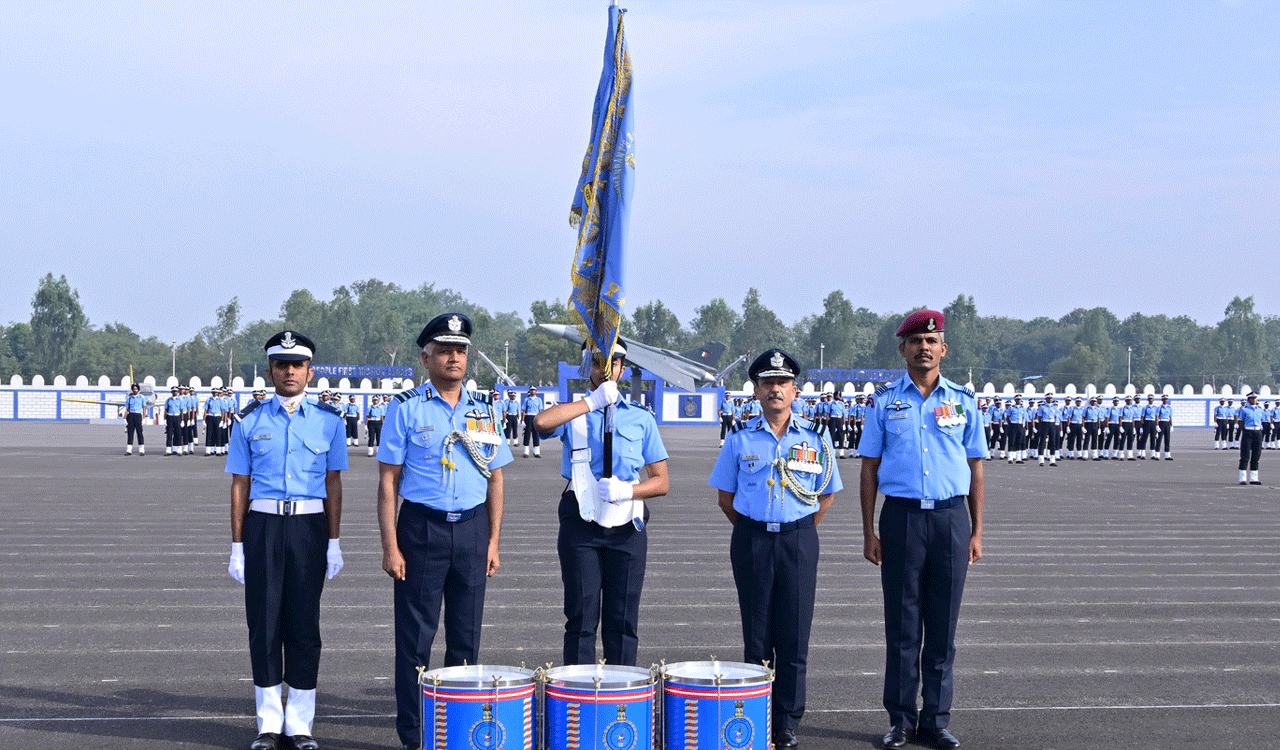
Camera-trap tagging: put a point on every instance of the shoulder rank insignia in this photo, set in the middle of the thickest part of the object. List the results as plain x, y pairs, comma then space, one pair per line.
246, 411
880, 391
403, 396
329, 407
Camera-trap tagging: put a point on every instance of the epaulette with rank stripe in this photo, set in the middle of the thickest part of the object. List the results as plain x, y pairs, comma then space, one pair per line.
329, 407
880, 391
482, 398
737, 426
969, 392
246, 411
403, 396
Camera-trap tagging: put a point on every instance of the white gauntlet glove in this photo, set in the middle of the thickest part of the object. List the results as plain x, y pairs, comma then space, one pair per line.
603, 396
236, 568
613, 490
333, 558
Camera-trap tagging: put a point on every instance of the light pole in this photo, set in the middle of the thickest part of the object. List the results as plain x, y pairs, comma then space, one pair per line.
173, 371
1129, 377
506, 356
822, 352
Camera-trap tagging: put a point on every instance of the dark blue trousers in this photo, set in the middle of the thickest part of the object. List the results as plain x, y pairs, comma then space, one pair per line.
445, 563
922, 572
776, 574
603, 574
284, 567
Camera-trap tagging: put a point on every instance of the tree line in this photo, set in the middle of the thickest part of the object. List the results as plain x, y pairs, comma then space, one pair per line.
372, 322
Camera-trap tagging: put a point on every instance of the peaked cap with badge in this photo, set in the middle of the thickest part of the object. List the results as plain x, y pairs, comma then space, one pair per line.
449, 328
290, 346
922, 321
773, 363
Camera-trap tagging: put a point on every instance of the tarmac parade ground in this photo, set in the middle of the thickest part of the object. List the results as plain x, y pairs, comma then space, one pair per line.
1120, 604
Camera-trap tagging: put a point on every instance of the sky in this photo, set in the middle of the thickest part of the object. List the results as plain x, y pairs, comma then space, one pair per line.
1040, 156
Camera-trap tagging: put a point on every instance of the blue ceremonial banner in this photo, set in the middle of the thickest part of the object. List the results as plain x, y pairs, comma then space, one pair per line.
602, 202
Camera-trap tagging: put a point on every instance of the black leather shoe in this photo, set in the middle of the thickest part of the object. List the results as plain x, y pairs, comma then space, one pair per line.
785, 738
896, 737
304, 742
266, 741
942, 739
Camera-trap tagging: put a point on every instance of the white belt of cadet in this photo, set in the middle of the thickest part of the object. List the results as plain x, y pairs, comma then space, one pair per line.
584, 482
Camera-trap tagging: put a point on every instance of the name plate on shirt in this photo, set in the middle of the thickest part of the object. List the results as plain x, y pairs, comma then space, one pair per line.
263, 436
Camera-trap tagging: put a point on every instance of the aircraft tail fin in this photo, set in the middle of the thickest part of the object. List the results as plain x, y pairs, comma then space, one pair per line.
707, 354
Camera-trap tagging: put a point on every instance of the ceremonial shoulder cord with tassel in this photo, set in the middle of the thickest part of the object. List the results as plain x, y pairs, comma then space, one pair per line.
473, 449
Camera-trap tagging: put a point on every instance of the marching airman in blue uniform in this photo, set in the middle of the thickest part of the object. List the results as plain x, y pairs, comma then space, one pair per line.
602, 542
775, 479
1015, 419
213, 408
441, 460
530, 408
286, 457
837, 422
373, 421
135, 407
1047, 418
1249, 418
923, 448
727, 413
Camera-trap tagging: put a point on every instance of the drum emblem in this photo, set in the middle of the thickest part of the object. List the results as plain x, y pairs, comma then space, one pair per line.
621, 733
487, 734
738, 730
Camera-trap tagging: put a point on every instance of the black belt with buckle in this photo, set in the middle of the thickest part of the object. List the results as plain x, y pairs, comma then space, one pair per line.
777, 526
919, 504
447, 516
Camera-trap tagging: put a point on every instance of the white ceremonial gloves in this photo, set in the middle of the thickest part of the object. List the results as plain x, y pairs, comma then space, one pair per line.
613, 490
333, 558
236, 568
603, 396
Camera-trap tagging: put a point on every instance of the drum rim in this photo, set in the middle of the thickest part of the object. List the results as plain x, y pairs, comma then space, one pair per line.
765, 674
564, 676
472, 676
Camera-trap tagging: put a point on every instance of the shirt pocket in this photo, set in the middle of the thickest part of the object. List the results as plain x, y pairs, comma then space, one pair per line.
752, 474
422, 447
629, 445
316, 456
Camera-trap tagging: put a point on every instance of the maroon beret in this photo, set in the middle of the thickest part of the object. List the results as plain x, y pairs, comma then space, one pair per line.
921, 321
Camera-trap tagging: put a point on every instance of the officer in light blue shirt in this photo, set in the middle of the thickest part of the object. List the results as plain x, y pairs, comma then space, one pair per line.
285, 457
1048, 416
530, 408
373, 417
923, 448
509, 410
441, 458
838, 423
1233, 426
173, 408
1164, 426
1249, 421
1015, 421
727, 414
1130, 416
602, 542
776, 477
213, 408
135, 406
1093, 414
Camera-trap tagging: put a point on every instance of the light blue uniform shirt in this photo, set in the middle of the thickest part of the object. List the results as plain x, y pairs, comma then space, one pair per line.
726, 408
1077, 414
351, 410
1164, 413
287, 458
1150, 412
838, 409
636, 442
136, 403
1093, 413
1016, 414
745, 468
1231, 412
213, 407
173, 405
1130, 413
413, 435
858, 411
376, 411
533, 405
919, 459
798, 406
1251, 416
1048, 413
511, 406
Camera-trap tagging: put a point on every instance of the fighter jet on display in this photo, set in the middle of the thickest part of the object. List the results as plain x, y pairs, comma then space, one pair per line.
684, 370
146, 390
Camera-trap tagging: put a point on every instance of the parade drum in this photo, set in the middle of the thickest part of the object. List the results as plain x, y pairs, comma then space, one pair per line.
599, 707
716, 705
479, 707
